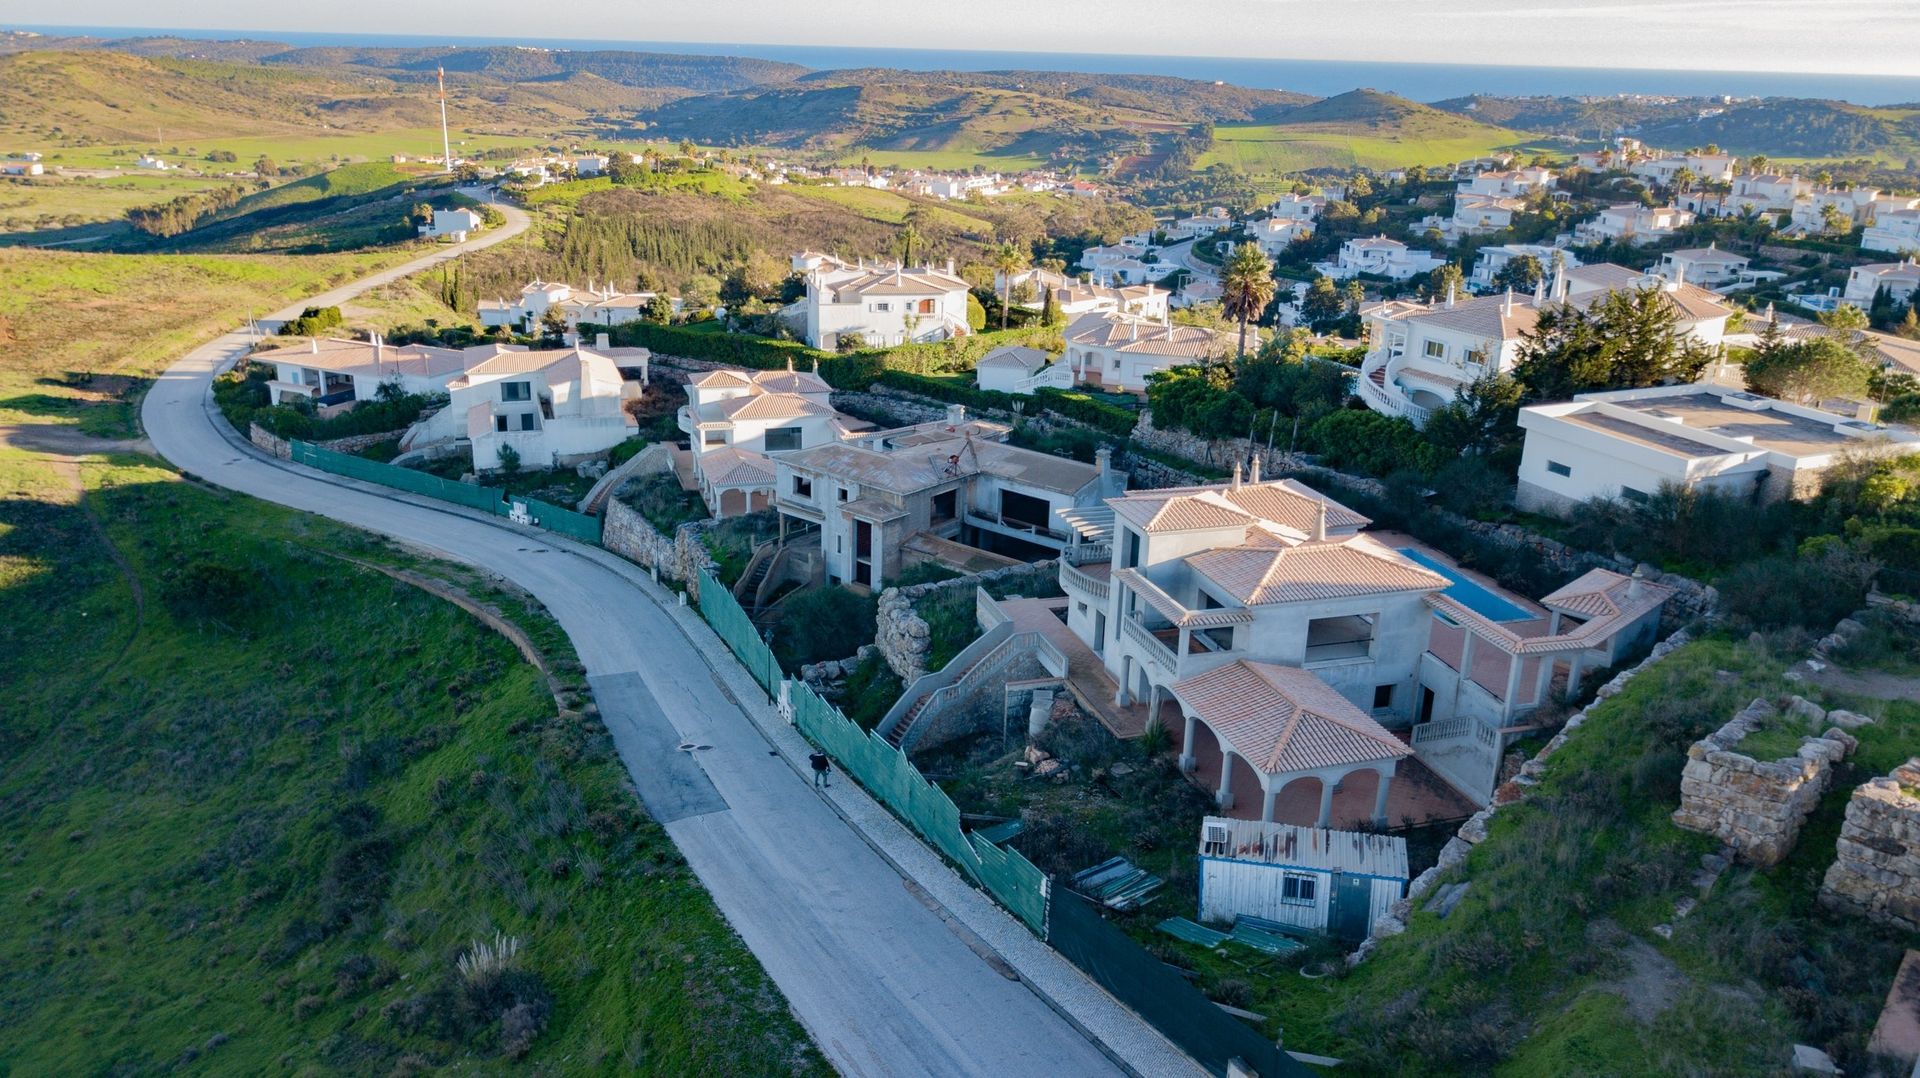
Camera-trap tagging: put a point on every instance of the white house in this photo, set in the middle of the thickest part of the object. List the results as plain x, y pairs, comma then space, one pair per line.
21, 164
1809, 214
882, 305
1334, 882
1706, 168
1513, 183
592, 164
332, 372
1633, 223
1628, 444
553, 408
737, 421
1381, 257
453, 225
1214, 220
1708, 266
1014, 369
593, 306
1274, 235
1117, 351
1493, 260
1894, 231
1294, 207
1901, 280
1475, 215
1421, 355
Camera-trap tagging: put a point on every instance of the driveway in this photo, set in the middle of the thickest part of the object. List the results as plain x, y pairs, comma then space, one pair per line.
880, 976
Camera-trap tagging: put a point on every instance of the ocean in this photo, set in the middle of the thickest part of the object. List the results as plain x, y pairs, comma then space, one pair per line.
1422, 82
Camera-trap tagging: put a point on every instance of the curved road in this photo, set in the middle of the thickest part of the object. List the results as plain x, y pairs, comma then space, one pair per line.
874, 967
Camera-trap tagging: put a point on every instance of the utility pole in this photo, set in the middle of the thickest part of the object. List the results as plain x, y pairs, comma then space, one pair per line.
446, 145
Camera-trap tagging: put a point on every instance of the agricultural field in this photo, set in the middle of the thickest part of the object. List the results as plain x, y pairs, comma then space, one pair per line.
951, 160
1275, 148
260, 797
887, 207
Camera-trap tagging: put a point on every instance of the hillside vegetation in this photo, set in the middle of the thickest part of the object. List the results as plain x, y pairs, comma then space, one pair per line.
1363, 128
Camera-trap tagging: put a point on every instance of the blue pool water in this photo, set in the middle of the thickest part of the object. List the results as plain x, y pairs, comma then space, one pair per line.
1469, 594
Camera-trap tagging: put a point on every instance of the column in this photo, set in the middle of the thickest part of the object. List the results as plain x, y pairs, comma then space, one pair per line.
1513, 686
1553, 624
1224, 796
1123, 698
1326, 802
1267, 794
1186, 747
1543, 680
1466, 663
1380, 799
1573, 675
1153, 704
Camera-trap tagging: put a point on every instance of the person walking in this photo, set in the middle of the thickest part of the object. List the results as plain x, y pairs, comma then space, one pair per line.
820, 765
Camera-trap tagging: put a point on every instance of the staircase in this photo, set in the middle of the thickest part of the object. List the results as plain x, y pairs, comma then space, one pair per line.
898, 732
1378, 376
750, 582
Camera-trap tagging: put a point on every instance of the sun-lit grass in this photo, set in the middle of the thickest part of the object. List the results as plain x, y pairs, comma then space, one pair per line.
1263, 148
887, 207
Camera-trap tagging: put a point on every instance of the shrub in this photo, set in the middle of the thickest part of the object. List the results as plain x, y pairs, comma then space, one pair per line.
1375, 444
870, 690
378, 416
660, 499
1811, 590
313, 321
821, 624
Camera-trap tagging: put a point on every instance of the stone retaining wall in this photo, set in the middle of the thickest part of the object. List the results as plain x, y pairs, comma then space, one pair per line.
678, 559
1876, 873
902, 634
282, 448
1758, 807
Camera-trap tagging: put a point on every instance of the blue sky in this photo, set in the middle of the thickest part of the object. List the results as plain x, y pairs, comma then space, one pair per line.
1864, 37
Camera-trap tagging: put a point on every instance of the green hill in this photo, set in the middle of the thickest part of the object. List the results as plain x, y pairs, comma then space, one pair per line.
1361, 128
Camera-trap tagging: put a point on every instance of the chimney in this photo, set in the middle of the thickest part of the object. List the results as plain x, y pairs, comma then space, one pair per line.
1236, 476
1449, 296
790, 364
378, 352
949, 267
1103, 459
601, 342
1254, 475
1320, 523
1507, 307
956, 414
1636, 584
313, 345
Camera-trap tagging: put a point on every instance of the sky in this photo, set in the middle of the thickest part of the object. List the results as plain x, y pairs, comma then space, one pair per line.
1865, 37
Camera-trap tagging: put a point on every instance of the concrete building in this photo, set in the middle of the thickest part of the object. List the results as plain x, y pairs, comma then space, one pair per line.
1894, 231
1901, 280
1492, 260
879, 305
1381, 257
554, 408
1633, 223
591, 306
736, 423
1011, 369
1708, 267
1628, 444
1117, 351
869, 504
334, 373
452, 226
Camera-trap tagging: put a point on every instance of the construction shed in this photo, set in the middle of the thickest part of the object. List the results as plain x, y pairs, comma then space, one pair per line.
1307, 878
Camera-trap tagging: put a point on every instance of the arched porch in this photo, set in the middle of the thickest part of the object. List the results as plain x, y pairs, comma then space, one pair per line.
1347, 797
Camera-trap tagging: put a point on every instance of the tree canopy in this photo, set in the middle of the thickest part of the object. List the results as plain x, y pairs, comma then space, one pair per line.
1625, 340
1807, 371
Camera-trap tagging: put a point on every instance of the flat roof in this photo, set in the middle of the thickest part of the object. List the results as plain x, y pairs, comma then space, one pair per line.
1652, 437
1771, 428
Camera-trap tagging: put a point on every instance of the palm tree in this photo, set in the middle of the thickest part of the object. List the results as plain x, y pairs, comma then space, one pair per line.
1008, 259
1246, 287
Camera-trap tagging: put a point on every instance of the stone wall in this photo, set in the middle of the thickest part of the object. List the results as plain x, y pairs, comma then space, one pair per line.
902, 634
980, 705
678, 559
1757, 807
280, 447
1876, 873
272, 443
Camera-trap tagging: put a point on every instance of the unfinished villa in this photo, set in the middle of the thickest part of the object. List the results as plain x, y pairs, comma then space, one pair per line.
1311, 670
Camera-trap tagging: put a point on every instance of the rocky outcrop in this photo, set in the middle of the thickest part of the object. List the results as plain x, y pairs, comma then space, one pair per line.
1876, 873
1757, 807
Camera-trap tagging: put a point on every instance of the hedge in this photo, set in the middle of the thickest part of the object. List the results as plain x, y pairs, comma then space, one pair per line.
1111, 418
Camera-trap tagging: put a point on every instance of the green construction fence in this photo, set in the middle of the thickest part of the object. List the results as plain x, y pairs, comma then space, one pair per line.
487, 499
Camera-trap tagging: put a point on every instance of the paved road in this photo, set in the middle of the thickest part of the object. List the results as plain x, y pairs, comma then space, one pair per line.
877, 976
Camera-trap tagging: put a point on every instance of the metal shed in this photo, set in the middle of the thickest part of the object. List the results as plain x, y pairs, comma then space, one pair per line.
1310, 878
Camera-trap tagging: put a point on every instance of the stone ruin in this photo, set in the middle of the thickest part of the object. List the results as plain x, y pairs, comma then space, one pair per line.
1876, 873
1757, 807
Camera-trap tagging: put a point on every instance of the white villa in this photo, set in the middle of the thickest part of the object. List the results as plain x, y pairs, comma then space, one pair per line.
1381, 257
1125, 264
1894, 231
1706, 168
1627, 444
452, 225
1475, 215
737, 420
591, 306
1283, 644
1292, 207
1633, 223
1421, 355
1706, 266
1014, 369
1494, 259
879, 305
1117, 351
554, 407
1275, 234
1513, 183
1214, 220
334, 373
1901, 280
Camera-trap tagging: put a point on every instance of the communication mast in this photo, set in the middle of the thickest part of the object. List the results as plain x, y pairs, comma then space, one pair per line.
446, 145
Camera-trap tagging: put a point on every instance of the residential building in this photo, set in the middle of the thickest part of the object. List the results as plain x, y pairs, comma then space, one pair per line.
1493, 260
553, 408
592, 164
737, 421
1381, 257
1029, 286
334, 373
1214, 220
1475, 215
453, 225
1274, 235
1901, 280
1705, 167
1620, 154
1894, 231
1012, 369
1293, 207
1421, 355
1289, 642
1706, 266
874, 501
147, 160
1117, 351
592, 306
21, 164
1332, 882
1633, 223
880, 305
1146, 300
1808, 215
1513, 183
1628, 444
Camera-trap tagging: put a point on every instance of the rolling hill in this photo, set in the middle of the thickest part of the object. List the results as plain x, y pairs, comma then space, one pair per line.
1775, 126
1363, 128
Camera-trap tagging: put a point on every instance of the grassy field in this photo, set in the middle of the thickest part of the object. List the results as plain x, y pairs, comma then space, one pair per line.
1268, 148
945, 160
887, 207
1551, 965
258, 799
68, 315
50, 202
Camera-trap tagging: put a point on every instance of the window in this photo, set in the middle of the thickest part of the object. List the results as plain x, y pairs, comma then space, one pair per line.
516, 391
883, 307
1339, 638
1116, 363
926, 306
1081, 609
1637, 497
1558, 468
1435, 350
845, 493
1298, 890
1382, 697
1477, 357
782, 439
802, 486
527, 421
713, 437
500, 423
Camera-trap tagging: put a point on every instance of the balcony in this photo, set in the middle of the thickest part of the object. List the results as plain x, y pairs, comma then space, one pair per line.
1017, 528
684, 419
1092, 580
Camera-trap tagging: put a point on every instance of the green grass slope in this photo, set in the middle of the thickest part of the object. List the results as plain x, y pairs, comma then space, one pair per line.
1362, 128
255, 801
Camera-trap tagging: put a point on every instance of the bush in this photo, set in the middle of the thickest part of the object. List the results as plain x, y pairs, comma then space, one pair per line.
312, 322
660, 499
1811, 590
1375, 444
366, 417
821, 624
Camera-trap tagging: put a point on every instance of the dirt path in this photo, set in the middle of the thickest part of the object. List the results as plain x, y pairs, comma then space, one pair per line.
1877, 684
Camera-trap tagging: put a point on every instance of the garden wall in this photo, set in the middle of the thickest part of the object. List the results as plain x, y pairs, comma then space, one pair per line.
1757, 807
679, 559
282, 448
1876, 873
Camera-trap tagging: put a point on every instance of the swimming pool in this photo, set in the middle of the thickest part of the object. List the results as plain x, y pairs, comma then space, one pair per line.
1469, 594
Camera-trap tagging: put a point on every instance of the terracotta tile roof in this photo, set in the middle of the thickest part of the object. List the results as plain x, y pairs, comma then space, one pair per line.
1603, 596
790, 381
722, 377
732, 467
1174, 511
1358, 565
1602, 593
1283, 719
769, 406
1014, 355
1499, 317
1134, 333
1294, 505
